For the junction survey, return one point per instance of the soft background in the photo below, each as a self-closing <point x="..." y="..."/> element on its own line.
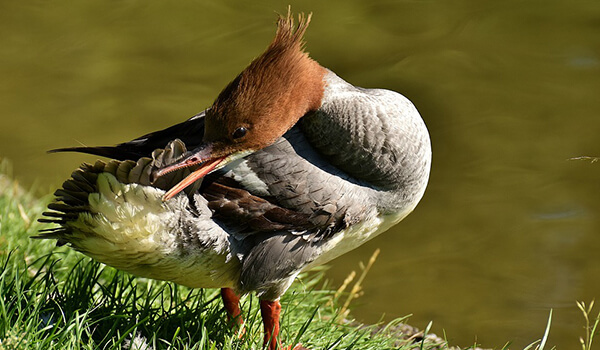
<point x="509" y="227"/>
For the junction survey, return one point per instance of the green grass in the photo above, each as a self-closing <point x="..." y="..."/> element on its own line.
<point x="591" y="324"/>
<point x="55" y="298"/>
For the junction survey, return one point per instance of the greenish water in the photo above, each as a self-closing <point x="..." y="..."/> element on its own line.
<point x="509" y="227"/>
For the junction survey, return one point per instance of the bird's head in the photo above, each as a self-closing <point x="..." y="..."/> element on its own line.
<point x="262" y="103"/>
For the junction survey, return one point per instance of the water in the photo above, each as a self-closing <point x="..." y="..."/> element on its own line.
<point x="508" y="228"/>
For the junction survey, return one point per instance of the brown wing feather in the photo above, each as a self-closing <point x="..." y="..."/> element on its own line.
<point x="238" y="209"/>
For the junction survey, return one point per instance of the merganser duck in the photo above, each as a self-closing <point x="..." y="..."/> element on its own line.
<point x="289" y="168"/>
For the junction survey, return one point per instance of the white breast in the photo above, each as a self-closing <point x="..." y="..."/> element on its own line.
<point x="356" y="235"/>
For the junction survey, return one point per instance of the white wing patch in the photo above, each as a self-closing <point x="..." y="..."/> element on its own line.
<point x="241" y="172"/>
<point x="129" y="227"/>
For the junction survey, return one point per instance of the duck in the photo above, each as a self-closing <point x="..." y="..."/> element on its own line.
<point x="289" y="168"/>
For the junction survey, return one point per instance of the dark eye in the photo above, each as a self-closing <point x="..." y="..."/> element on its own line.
<point x="239" y="132"/>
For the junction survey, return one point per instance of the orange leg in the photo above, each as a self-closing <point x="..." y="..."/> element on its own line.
<point x="270" y="311"/>
<point x="232" y="306"/>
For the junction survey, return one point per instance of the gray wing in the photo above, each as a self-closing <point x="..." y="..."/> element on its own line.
<point x="286" y="186"/>
<point x="317" y="198"/>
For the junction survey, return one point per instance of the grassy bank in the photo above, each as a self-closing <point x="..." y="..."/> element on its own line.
<point x="55" y="298"/>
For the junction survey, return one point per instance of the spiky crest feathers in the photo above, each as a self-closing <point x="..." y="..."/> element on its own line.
<point x="271" y="94"/>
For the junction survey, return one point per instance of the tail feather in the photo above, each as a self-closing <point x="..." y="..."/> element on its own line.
<point x="77" y="187"/>
<point x="52" y="221"/>
<point x="72" y="199"/>
<point x="113" y="152"/>
<point x="57" y="206"/>
<point x="189" y="132"/>
<point x="87" y="174"/>
<point x="54" y="214"/>
<point x="68" y="197"/>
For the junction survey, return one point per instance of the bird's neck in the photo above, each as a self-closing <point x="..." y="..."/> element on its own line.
<point x="376" y="136"/>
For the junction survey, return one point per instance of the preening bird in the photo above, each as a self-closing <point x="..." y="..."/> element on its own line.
<point x="289" y="168"/>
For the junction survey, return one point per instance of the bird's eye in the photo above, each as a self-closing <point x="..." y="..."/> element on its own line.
<point x="239" y="132"/>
